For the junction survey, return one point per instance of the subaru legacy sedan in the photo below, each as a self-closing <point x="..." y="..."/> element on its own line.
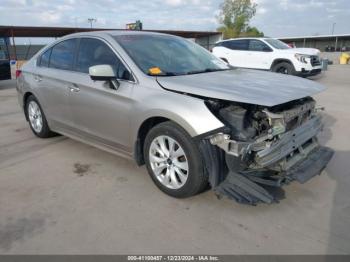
<point x="168" y="103"/>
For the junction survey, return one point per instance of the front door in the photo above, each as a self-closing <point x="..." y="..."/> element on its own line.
<point x="258" y="55"/>
<point x="237" y="52"/>
<point x="100" y="112"/>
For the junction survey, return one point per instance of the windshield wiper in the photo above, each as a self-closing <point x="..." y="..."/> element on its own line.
<point x="207" y="70"/>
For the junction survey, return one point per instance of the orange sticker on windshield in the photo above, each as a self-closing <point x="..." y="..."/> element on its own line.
<point x="154" y="71"/>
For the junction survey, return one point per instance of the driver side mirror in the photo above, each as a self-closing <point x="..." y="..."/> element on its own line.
<point x="104" y="73"/>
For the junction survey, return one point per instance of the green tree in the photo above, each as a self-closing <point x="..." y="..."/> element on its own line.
<point x="235" y="16"/>
<point x="252" y="32"/>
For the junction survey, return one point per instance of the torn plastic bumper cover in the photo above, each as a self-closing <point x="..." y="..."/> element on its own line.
<point x="242" y="170"/>
<point x="250" y="188"/>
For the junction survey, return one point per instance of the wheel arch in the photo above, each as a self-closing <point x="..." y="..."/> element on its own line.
<point x="280" y="60"/>
<point x="151" y="122"/>
<point x="194" y="126"/>
<point x="25" y="98"/>
<point x="142" y="132"/>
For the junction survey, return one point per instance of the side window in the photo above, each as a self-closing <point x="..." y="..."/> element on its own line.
<point x="257" y="45"/>
<point x="95" y="52"/>
<point x="44" y="59"/>
<point x="238" y="44"/>
<point x="225" y="44"/>
<point x="62" y="55"/>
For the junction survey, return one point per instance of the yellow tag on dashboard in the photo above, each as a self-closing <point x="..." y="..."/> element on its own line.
<point x="154" y="71"/>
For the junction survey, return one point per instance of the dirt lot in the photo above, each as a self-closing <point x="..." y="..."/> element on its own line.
<point x="59" y="196"/>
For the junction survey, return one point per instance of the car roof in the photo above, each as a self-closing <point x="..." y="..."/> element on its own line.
<point x="244" y="38"/>
<point x="115" y="33"/>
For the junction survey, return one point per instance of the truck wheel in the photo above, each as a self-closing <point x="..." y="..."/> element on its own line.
<point x="173" y="161"/>
<point x="37" y="119"/>
<point x="284" y="68"/>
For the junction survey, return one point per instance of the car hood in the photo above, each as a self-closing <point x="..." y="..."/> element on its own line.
<point x="303" y="51"/>
<point x="243" y="85"/>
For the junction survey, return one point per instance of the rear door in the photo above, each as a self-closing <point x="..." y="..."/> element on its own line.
<point x="100" y="112"/>
<point x="54" y="76"/>
<point x="237" y="52"/>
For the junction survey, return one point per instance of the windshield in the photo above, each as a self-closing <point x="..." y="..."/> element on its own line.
<point x="165" y="55"/>
<point x="277" y="44"/>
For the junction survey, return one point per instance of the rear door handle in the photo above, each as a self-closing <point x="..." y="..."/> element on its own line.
<point x="73" y="88"/>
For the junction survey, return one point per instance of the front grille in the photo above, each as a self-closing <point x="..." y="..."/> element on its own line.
<point x="315" y="60"/>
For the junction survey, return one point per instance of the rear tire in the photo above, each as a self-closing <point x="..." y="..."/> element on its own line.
<point x="36" y="118"/>
<point x="284" y="68"/>
<point x="178" y="169"/>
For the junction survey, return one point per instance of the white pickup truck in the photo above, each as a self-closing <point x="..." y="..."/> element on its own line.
<point x="269" y="54"/>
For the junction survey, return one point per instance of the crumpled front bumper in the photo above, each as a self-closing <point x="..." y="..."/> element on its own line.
<point x="311" y="166"/>
<point x="279" y="154"/>
<point x="295" y="156"/>
<point x="251" y="189"/>
<point x="292" y="147"/>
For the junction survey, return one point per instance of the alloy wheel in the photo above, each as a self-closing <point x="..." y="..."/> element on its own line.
<point x="35" y="116"/>
<point x="168" y="162"/>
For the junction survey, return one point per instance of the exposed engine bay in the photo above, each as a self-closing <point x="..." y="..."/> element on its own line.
<point x="263" y="146"/>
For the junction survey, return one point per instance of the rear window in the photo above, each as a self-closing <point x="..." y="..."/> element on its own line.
<point x="45" y="58"/>
<point x="235" y="44"/>
<point x="62" y="55"/>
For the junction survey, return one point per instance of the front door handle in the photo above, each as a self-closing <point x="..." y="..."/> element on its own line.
<point x="73" y="88"/>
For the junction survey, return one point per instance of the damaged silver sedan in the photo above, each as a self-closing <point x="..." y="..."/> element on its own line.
<point x="170" y="104"/>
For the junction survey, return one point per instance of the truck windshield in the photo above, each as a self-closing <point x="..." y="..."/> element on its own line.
<point x="165" y="55"/>
<point x="277" y="44"/>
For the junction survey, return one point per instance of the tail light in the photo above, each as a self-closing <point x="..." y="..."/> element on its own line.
<point x="18" y="73"/>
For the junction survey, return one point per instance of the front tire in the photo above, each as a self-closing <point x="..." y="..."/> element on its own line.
<point x="36" y="118"/>
<point x="284" y="68"/>
<point x="173" y="161"/>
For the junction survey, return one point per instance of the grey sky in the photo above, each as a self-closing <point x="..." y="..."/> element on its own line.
<point x="274" y="17"/>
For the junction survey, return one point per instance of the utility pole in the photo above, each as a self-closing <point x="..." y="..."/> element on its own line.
<point x="333" y="27"/>
<point x="92" y="20"/>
